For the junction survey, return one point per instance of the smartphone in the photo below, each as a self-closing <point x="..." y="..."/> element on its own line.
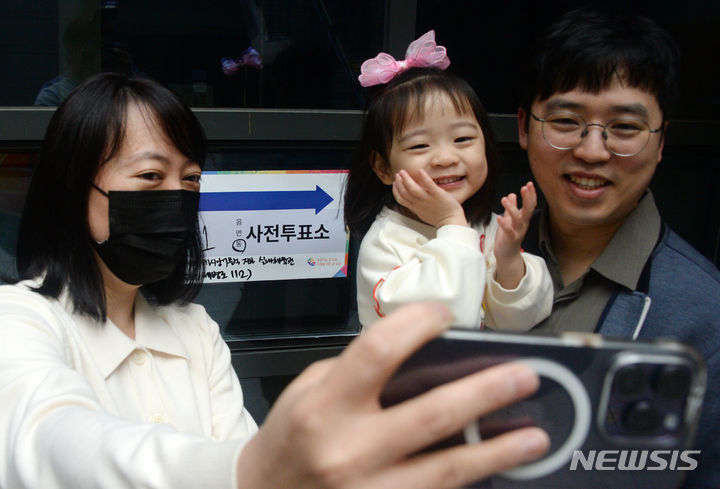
<point x="620" y="414"/>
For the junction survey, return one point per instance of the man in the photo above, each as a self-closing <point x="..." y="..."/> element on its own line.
<point x="593" y="122"/>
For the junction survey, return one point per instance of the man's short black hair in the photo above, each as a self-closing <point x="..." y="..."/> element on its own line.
<point x="86" y="130"/>
<point x="588" y="50"/>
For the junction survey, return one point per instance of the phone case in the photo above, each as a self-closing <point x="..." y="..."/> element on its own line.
<point x="620" y="414"/>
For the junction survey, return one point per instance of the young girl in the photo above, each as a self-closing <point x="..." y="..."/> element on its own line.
<point x="419" y="196"/>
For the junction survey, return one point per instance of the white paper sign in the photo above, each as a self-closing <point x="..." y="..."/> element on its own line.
<point x="273" y="225"/>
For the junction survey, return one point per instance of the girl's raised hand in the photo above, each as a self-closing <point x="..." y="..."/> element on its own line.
<point x="512" y="226"/>
<point x="426" y="200"/>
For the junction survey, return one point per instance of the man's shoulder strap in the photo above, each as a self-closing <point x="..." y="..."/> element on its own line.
<point x="644" y="280"/>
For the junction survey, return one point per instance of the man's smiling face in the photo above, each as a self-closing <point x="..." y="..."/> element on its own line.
<point x="588" y="186"/>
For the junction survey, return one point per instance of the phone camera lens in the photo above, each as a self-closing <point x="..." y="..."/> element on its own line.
<point x="641" y="418"/>
<point x="630" y="380"/>
<point x="672" y="381"/>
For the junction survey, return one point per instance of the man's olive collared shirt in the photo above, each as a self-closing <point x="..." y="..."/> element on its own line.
<point x="579" y="305"/>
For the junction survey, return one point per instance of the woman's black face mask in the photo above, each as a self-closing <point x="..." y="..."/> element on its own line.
<point x="149" y="233"/>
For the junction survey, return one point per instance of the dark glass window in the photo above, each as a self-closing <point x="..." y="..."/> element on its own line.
<point x="277" y="309"/>
<point x="16" y="169"/>
<point x="487" y="43"/>
<point x="220" y="53"/>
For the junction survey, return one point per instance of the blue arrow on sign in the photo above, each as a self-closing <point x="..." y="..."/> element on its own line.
<point x="316" y="199"/>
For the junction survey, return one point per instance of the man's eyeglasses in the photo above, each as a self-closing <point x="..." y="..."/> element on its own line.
<point x="623" y="137"/>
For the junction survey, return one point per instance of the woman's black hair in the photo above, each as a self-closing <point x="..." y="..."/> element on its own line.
<point x="589" y="50"/>
<point x="389" y="109"/>
<point x="86" y="130"/>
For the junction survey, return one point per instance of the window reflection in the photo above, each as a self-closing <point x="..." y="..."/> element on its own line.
<point x="15" y="173"/>
<point x="308" y="51"/>
<point x="79" y="42"/>
<point x="221" y="53"/>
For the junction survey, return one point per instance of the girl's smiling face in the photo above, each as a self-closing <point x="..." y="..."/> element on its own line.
<point x="447" y="144"/>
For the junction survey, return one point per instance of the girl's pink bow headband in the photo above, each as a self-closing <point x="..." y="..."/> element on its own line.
<point x="422" y="52"/>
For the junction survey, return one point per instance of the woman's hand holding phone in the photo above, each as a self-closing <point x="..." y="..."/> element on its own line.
<point x="329" y="430"/>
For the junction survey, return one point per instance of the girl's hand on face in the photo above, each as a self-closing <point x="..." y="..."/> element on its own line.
<point x="512" y="226"/>
<point x="426" y="200"/>
<point x="328" y="429"/>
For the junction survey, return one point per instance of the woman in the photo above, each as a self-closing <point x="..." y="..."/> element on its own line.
<point x="103" y="386"/>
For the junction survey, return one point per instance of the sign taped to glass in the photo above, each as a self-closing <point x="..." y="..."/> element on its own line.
<point x="273" y="225"/>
